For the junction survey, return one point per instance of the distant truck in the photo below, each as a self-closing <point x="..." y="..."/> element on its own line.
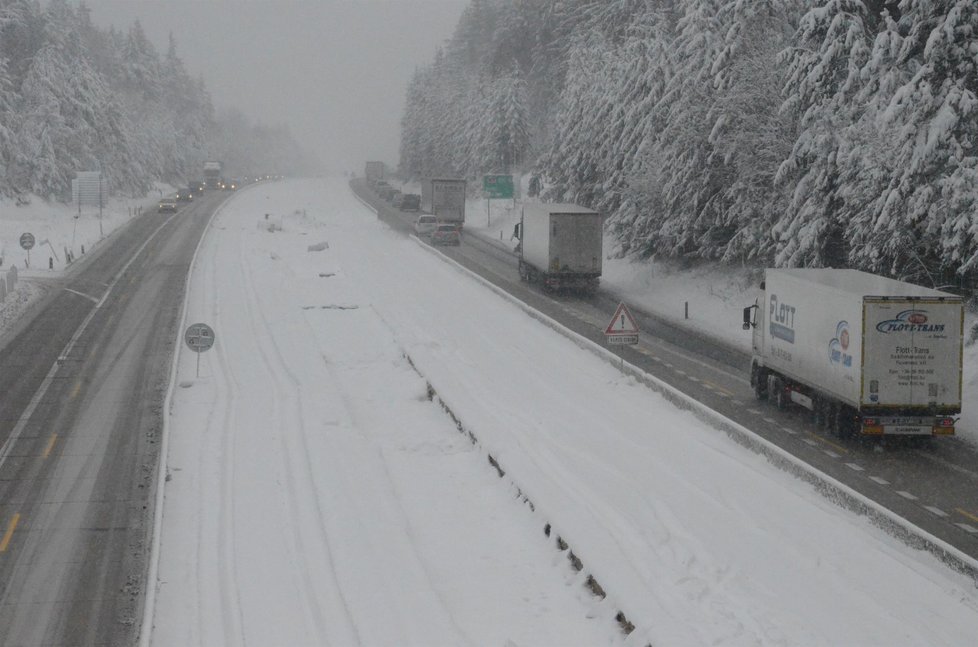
<point x="373" y="171"/>
<point x="444" y="198"/>
<point x="212" y="174"/>
<point x="867" y="355"/>
<point x="561" y="245"/>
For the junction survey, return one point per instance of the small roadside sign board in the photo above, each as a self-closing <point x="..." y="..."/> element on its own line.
<point x="199" y="337"/>
<point x="497" y="186"/>
<point x="622" y="329"/>
<point x="27" y="241"/>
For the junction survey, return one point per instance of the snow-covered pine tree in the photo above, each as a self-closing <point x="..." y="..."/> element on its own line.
<point x="824" y="74"/>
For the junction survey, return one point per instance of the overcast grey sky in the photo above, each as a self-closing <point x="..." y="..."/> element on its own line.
<point x="335" y="71"/>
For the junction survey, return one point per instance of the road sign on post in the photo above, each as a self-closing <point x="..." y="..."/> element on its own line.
<point x="27" y="243"/>
<point x="497" y="186"/>
<point x="200" y="338"/>
<point x="622" y="329"/>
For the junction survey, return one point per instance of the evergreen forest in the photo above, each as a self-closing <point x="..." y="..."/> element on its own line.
<point x="792" y="133"/>
<point x="74" y="97"/>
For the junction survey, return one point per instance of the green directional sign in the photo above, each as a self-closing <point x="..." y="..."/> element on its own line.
<point x="497" y="186"/>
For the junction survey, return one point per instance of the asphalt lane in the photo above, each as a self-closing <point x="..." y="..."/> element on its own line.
<point x="84" y="384"/>
<point x="931" y="483"/>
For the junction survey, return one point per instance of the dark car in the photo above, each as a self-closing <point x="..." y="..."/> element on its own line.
<point x="185" y="195"/>
<point x="410" y="202"/>
<point x="196" y="187"/>
<point x="446" y="234"/>
<point x="167" y="205"/>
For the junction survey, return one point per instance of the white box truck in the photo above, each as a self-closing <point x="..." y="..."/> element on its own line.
<point x="561" y="245"/>
<point x="212" y="174"/>
<point x="373" y="172"/>
<point x="867" y="355"/>
<point x="445" y="199"/>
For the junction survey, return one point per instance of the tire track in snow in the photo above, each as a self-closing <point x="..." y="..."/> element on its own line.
<point x="288" y="389"/>
<point x="232" y="616"/>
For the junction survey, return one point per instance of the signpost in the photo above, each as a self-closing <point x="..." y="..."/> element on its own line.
<point x="27" y="243"/>
<point x="200" y="338"/>
<point x="497" y="186"/>
<point x="622" y="330"/>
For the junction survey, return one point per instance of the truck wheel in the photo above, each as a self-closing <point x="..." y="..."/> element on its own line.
<point x="781" y="396"/>
<point x="844" y="425"/>
<point x="758" y="380"/>
<point x="818" y="412"/>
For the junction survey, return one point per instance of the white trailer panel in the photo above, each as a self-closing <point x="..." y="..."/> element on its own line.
<point x="562" y="238"/>
<point x="869" y="341"/>
<point x="912" y="353"/>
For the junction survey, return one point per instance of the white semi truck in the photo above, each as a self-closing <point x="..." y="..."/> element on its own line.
<point x="561" y="245"/>
<point x="867" y="355"/>
<point x="212" y="174"/>
<point x="444" y="198"/>
<point x="373" y="171"/>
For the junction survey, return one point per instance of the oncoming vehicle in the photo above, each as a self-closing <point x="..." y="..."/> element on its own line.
<point x="446" y="234"/>
<point x="424" y="225"/>
<point x="185" y="195"/>
<point x="167" y="205"/>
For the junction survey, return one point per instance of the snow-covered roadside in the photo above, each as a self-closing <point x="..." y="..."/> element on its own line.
<point x="695" y="538"/>
<point x="56" y="228"/>
<point x="315" y="494"/>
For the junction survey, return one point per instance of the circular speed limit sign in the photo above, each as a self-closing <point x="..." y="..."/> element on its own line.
<point x="199" y="337"/>
<point x="27" y="241"/>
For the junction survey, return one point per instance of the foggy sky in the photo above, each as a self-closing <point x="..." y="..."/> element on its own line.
<point x="334" y="71"/>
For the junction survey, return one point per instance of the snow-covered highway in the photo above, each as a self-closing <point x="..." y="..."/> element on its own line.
<point x="315" y="494"/>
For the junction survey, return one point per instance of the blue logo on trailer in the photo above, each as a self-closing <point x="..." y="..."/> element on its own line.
<point x="839" y="346"/>
<point x="782" y="320"/>
<point x="909" y="321"/>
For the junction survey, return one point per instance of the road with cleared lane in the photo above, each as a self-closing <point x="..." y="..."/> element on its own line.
<point x="932" y="484"/>
<point x="83" y="383"/>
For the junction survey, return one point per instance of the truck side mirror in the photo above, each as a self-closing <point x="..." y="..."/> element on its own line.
<point x="748" y="322"/>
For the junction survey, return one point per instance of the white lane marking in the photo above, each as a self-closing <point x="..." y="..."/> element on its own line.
<point x="667" y="364"/>
<point x="680" y="371"/>
<point x="879" y="480"/>
<point x="907" y="495"/>
<point x="854" y="466"/>
<point x="756" y="412"/>
<point x="82" y="294"/>
<point x="809" y="441"/>
<point x="771" y="420"/>
<point x="790" y="432"/>
<point x="696" y="379"/>
<point x="967" y="528"/>
<point x="937" y="511"/>
<point x="830" y="453"/>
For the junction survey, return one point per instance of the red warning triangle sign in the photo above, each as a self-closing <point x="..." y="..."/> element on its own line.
<point x="623" y="323"/>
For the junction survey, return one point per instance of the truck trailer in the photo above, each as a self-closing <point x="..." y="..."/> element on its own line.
<point x="212" y="174"/>
<point x="444" y="198"/>
<point x="561" y="245"/>
<point x="373" y="171"/>
<point x="866" y="355"/>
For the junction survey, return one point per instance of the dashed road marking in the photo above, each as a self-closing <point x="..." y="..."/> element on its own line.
<point x="10" y="532"/>
<point x="967" y="528"/>
<point x="855" y="466"/>
<point x="771" y="420"/>
<point x="967" y="514"/>
<point x="831" y="453"/>
<point x="756" y="412"/>
<point x="877" y="479"/>
<point x="790" y="432"/>
<point x="906" y="495"/>
<point x="50" y="445"/>
<point x="694" y="379"/>
<point x="933" y="510"/>
<point x="809" y="441"/>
